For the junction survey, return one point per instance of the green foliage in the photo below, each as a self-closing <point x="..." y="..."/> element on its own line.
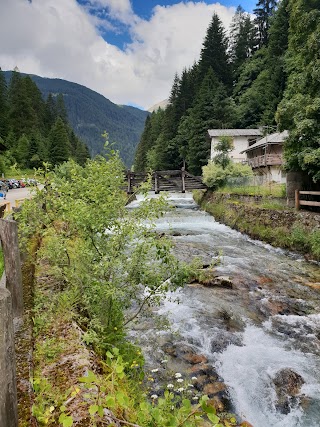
<point x="223" y="148"/>
<point x="30" y="128"/>
<point x="299" y="109"/>
<point x="215" y="176"/>
<point x="107" y="252"/>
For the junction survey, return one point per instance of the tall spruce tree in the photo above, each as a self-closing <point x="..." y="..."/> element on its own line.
<point x="3" y="106"/>
<point x="262" y="79"/>
<point x="214" y="53"/>
<point x="299" y="111"/>
<point x="242" y="39"/>
<point x="264" y="11"/>
<point x="59" y="145"/>
<point x="213" y="109"/>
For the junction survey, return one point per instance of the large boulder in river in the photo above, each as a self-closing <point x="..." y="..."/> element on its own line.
<point x="288" y="387"/>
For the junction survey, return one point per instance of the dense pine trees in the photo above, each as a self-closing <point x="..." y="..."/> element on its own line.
<point x="266" y="74"/>
<point x="32" y="129"/>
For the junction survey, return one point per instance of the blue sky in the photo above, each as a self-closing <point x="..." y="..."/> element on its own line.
<point x="127" y="50"/>
<point x="144" y="9"/>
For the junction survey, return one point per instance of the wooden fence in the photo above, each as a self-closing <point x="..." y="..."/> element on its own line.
<point x="300" y="202"/>
<point x="11" y="311"/>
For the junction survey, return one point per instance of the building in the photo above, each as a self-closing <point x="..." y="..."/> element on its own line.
<point x="242" y="139"/>
<point x="265" y="157"/>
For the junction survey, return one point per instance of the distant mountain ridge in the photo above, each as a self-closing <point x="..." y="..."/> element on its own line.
<point x="90" y="114"/>
<point x="162" y="104"/>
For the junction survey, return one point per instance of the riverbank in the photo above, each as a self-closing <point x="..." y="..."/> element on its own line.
<point x="265" y="219"/>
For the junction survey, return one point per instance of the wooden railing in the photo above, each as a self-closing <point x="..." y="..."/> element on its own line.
<point x="266" y="160"/>
<point x="299" y="202"/>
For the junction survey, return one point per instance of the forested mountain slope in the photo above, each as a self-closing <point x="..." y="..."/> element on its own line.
<point x="90" y="114"/>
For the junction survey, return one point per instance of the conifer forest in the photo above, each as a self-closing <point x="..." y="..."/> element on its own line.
<point x="263" y="72"/>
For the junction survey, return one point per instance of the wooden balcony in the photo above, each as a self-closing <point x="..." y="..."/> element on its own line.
<point x="266" y="160"/>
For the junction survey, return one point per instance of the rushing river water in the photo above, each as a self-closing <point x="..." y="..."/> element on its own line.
<point x="267" y="322"/>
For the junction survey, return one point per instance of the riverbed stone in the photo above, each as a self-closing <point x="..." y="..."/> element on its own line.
<point x="194" y="359"/>
<point x="216" y="403"/>
<point x="201" y="369"/>
<point x="288" y="385"/>
<point x="214" y="388"/>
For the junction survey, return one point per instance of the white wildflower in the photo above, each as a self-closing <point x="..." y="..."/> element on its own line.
<point x="190" y="385"/>
<point x="195" y="398"/>
<point x="154" y="370"/>
<point x="179" y="380"/>
<point x="180" y="390"/>
<point x="154" y="396"/>
<point x="170" y="386"/>
<point x="194" y="378"/>
<point x="178" y="375"/>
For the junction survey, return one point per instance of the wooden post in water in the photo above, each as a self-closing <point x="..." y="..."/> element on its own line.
<point x="129" y="190"/>
<point x="12" y="264"/>
<point x="156" y="183"/>
<point x="8" y="387"/>
<point x="183" y="176"/>
<point x="297" y="199"/>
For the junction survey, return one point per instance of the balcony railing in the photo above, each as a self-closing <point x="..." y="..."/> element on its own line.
<point x="266" y="160"/>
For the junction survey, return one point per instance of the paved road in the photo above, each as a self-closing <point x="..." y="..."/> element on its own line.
<point x="17" y="193"/>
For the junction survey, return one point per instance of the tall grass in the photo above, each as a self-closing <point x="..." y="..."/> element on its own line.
<point x="273" y="190"/>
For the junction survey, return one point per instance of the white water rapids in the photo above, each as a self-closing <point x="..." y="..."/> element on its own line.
<point x="275" y="306"/>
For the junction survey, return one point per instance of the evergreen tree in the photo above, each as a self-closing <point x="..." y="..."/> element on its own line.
<point x="213" y="109"/>
<point x="3" y="106"/>
<point x="61" y="109"/>
<point x="214" y="53"/>
<point x="299" y="111"/>
<point x="50" y="112"/>
<point x="262" y="78"/>
<point x="242" y="39"/>
<point x="59" y="145"/>
<point x="264" y="11"/>
<point x="144" y="146"/>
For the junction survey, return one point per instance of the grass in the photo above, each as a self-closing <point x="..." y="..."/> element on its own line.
<point x="274" y="190"/>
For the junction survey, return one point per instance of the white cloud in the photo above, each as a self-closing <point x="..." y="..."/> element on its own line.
<point x="59" y="39"/>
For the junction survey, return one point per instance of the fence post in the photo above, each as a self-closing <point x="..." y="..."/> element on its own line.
<point x="183" y="176"/>
<point x="12" y="264"/>
<point x="156" y="183"/>
<point x="297" y="199"/>
<point x="129" y="191"/>
<point x="8" y="388"/>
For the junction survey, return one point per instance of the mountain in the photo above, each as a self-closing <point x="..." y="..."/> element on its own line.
<point x="90" y="114"/>
<point x="162" y="104"/>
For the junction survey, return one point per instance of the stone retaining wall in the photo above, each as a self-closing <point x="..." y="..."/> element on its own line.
<point x="286" y="227"/>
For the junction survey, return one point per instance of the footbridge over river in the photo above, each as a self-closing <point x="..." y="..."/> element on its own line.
<point x="170" y="180"/>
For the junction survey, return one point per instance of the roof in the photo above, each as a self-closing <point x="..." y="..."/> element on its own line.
<point x="274" y="138"/>
<point x="234" y="132"/>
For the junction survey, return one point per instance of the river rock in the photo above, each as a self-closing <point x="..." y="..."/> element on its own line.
<point x="214" y="388"/>
<point x="288" y="386"/>
<point x="218" y="281"/>
<point x="194" y="359"/>
<point x="201" y="369"/>
<point x="216" y="403"/>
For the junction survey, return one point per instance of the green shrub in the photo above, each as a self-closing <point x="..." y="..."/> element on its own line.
<point x="214" y="176"/>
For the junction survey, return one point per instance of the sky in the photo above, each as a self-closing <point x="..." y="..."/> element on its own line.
<point x="127" y="50"/>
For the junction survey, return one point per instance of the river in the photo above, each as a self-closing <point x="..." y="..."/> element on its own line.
<point x="267" y="322"/>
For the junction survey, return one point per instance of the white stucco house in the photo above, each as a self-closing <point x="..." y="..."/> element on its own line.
<point x="265" y="157"/>
<point x="242" y="139"/>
